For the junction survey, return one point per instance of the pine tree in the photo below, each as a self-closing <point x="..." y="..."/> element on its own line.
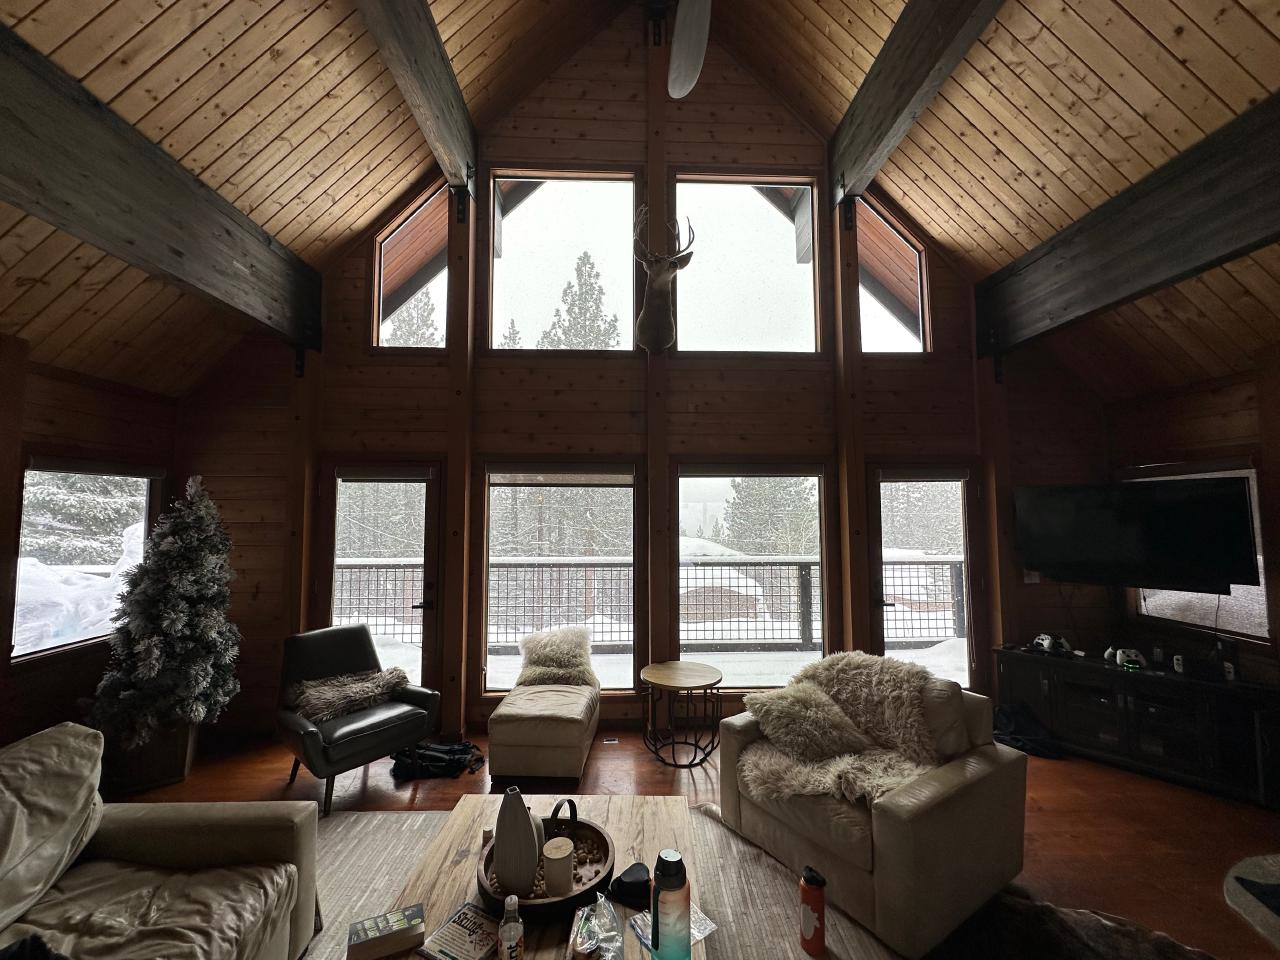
<point x="511" y="339"/>
<point x="76" y="518"/>
<point x="775" y="516"/>
<point x="582" y="325"/>
<point x="173" y="652"/>
<point x="413" y="324"/>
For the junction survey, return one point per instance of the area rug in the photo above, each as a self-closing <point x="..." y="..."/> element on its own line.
<point x="362" y="862"/>
<point x="1252" y="888"/>
<point x="365" y="857"/>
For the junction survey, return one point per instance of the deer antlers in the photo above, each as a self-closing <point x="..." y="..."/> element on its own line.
<point x="642" y="250"/>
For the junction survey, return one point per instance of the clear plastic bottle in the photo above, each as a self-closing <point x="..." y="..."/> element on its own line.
<point x="670" y="930"/>
<point x="511" y="931"/>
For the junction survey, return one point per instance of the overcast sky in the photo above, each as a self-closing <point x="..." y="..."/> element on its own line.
<point x="733" y="295"/>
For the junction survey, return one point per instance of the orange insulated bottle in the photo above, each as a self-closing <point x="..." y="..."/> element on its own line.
<point x="813" y="913"/>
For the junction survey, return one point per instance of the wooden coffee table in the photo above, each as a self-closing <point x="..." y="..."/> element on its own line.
<point x="445" y="878"/>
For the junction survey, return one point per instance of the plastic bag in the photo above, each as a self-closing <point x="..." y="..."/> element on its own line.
<point x="597" y="931"/>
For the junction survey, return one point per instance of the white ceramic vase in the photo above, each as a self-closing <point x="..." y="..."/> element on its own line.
<point x="516" y="846"/>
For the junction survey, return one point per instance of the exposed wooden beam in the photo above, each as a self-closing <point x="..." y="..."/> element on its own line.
<point x="411" y="48"/>
<point x="924" y="46"/>
<point x="1212" y="203"/>
<point x="70" y="160"/>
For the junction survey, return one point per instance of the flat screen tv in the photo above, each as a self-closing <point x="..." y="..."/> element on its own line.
<point x="1194" y="535"/>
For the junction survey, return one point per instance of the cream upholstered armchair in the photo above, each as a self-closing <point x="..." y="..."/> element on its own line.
<point x="913" y="865"/>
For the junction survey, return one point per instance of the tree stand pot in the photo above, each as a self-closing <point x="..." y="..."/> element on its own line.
<point x="163" y="760"/>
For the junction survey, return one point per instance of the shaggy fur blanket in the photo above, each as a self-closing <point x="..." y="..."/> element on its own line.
<point x="882" y="697"/>
<point x="329" y="697"/>
<point x="560" y="655"/>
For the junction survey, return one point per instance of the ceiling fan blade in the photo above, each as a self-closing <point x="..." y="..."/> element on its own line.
<point x="688" y="46"/>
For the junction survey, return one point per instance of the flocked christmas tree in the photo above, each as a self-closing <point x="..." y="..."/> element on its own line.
<point x="173" y="652"/>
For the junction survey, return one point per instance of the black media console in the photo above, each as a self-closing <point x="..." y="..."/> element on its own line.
<point x="1216" y="735"/>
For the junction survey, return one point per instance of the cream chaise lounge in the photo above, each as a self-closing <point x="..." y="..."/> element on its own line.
<point x="140" y="881"/>
<point x="918" y="861"/>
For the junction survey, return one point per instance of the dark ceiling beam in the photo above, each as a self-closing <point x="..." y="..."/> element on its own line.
<point x="68" y="159"/>
<point x="1215" y="202"/>
<point x="410" y="45"/>
<point x="924" y="46"/>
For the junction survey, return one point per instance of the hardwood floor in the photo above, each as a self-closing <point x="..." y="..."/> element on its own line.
<point x="1097" y="837"/>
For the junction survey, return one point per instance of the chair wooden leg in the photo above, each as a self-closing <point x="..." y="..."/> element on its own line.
<point x="328" y="796"/>
<point x="293" y="774"/>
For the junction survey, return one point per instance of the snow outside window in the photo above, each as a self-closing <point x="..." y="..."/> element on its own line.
<point x="80" y="535"/>
<point x="561" y="553"/>
<point x="1243" y="611"/>
<point x="750" y="284"/>
<point x="414" y="278"/>
<point x="750" y="575"/>
<point x="563" y="270"/>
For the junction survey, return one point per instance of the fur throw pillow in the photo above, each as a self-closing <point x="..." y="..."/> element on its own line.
<point x="329" y="697"/>
<point x="560" y="655"/>
<point x="803" y="721"/>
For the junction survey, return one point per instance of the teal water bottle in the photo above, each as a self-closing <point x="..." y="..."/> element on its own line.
<point x="670" y="932"/>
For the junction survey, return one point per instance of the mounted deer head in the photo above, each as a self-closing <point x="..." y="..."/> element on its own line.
<point x="656" y="324"/>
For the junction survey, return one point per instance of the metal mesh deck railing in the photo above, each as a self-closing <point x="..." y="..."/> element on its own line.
<point x="739" y="603"/>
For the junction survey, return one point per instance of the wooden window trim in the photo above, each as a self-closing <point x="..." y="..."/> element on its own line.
<point x="480" y="702"/>
<point x="490" y="171"/>
<point x="329" y="471"/>
<point x="371" y="345"/>
<point x="823" y="268"/>
<point x="62" y="459"/>
<point x="694" y="465"/>
<point x="882" y="207"/>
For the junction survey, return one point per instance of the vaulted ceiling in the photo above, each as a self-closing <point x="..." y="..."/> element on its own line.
<point x="285" y="108"/>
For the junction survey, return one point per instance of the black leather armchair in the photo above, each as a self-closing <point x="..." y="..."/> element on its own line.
<point x="344" y="743"/>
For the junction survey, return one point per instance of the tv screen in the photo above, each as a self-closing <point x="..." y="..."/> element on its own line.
<point x="1171" y="534"/>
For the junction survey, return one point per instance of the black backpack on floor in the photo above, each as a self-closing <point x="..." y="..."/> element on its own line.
<point x="426" y="760"/>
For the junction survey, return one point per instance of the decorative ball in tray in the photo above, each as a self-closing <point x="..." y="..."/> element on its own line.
<point x="592" y="867"/>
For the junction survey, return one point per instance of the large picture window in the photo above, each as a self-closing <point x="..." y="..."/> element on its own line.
<point x="890" y="292"/>
<point x="413" y="276"/>
<point x="750" y="284"/>
<point x="750" y="574"/>
<point x="563" y="271"/>
<point x="1243" y="611"/>
<point x="81" y="533"/>
<point x="561" y="553"/>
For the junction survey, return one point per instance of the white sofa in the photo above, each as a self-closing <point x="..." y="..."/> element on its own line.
<point x="138" y="881"/>
<point x="913" y="865"/>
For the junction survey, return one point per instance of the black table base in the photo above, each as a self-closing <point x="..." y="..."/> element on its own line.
<point x="682" y="727"/>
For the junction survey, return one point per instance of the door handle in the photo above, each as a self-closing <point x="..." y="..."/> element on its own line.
<point x="424" y="605"/>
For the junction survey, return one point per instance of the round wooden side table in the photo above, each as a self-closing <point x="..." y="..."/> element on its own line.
<point x="683" y="713"/>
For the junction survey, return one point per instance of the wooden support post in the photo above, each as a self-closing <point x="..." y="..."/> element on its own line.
<point x="851" y="464"/>
<point x="304" y="414"/>
<point x="13" y="374"/>
<point x="996" y="477"/>
<point x="446" y="666"/>
<point x="1268" y="467"/>
<point x="663" y="627"/>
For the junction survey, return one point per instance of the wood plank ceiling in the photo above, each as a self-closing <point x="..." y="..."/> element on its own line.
<point x="285" y="108"/>
<point x="282" y="106"/>
<point x="1059" y="106"/>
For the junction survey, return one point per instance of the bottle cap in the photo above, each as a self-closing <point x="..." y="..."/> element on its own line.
<point x="512" y="903"/>
<point x="668" y="872"/>
<point x="813" y="878"/>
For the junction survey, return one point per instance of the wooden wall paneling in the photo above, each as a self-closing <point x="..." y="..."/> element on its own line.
<point x="1204" y="422"/>
<point x="663" y="642"/>
<point x="238" y="433"/>
<point x="1268" y="466"/>
<point x="13" y="373"/>
<point x="455" y="571"/>
<point x="851" y="466"/>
